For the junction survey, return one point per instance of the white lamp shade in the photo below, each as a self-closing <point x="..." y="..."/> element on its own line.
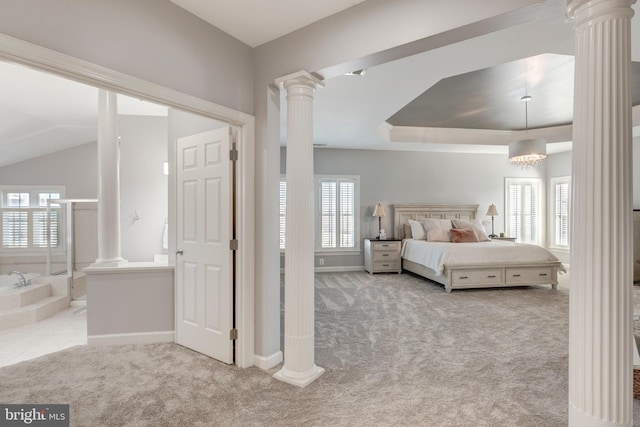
<point x="378" y="210"/>
<point x="492" y="211"/>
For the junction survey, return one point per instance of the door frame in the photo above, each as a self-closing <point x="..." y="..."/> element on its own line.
<point x="38" y="57"/>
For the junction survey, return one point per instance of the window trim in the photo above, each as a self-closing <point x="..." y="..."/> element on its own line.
<point x="553" y="182"/>
<point x="540" y="213"/>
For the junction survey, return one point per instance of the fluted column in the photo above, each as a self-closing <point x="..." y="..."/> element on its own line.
<point x="108" y="181"/>
<point x="600" y="337"/>
<point x="299" y="320"/>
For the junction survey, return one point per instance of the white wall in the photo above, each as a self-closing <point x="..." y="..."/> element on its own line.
<point x="143" y="185"/>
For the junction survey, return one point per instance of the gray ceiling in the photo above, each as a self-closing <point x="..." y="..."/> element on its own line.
<point x="491" y="98"/>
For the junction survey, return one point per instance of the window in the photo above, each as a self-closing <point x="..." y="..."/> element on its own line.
<point x="283" y="211"/>
<point x="523" y="205"/>
<point x="337" y="227"/>
<point x="17" y="200"/>
<point x="561" y="192"/>
<point x="25" y="224"/>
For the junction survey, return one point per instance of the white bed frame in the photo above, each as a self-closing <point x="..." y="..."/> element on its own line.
<point x="464" y="276"/>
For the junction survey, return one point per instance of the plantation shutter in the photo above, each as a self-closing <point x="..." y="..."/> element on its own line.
<point x="561" y="235"/>
<point x="15" y="229"/>
<point x="347" y="214"/>
<point x="40" y="227"/>
<point x="283" y="213"/>
<point x="328" y="213"/>
<point x="514" y="195"/>
<point x="522" y="211"/>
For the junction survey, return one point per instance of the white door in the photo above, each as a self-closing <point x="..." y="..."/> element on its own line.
<point x="204" y="260"/>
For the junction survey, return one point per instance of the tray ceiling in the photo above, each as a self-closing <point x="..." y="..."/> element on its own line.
<point x="490" y="98"/>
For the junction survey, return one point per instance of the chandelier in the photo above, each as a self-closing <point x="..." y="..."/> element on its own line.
<point x="527" y="152"/>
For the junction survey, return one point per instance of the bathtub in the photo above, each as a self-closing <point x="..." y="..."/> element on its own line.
<point x="8" y="282"/>
<point x="44" y="297"/>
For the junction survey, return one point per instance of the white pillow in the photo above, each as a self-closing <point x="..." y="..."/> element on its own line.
<point x="476" y="224"/>
<point x="430" y="223"/>
<point x="437" y="234"/>
<point x="437" y="229"/>
<point x="417" y="230"/>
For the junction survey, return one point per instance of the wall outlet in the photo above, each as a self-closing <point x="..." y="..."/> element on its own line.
<point x="321" y="261"/>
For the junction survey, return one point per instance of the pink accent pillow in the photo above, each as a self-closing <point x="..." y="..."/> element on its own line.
<point x="463" y="235"/>
<point x="475" y="224"/>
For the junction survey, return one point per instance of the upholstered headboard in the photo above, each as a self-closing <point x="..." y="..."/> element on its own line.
<point x="404" y="212"/>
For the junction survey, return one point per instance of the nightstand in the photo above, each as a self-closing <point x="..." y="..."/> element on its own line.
<point x="508" y="239"/>
<point x="382" y="256"/>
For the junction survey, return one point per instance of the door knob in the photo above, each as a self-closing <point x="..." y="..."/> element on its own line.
<point x="179" y="252"/>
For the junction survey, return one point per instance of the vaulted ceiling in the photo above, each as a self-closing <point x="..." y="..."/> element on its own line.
<point x="463" y="97"/>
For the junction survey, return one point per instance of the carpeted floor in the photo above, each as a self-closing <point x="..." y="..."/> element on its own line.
<point x="397" y="350"/>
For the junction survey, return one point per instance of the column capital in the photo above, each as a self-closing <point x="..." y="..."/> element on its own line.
<point x="299" y="78"/>
<point x="577" y="9"/>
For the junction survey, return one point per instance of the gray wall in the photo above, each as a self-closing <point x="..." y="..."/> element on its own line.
<point x="75" y="168"/>
<point x="154" y="40"/>
<point x="560" y="164"/>
<point x="119" y="302"/>
<point x="143" y="149"/>
<point x="370" y="33"/>
<point x="636" y="172"/>
<point x="393" y="177"/>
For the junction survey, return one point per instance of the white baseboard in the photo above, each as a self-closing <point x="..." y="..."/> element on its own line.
<point x="132" y="338"/>
<point x="340" y="269"/>
<point x="267" y="362"/>
<point x="337" y="269"/>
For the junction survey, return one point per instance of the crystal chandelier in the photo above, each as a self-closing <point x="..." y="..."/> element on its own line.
<point x="527" y="152"/>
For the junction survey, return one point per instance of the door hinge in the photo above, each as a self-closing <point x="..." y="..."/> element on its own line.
<point x="233" y="334"/>
<point x="233" y="155"/>
<point x="233" y="245"/>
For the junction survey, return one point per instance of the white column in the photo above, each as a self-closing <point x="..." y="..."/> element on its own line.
<point x="299" y="320"/>
<point x="108" y="182"/>
<point x="600" y="332"/>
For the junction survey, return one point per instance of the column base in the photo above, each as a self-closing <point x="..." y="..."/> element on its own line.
<point x="580" y="418"/>
<point x="297" y="378"/>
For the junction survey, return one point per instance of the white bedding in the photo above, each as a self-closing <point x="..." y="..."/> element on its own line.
<point x="435" y="255"/>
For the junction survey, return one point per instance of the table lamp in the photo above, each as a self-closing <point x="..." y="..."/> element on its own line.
<point x="379" y="212"/>
<point x="492" y="211"/>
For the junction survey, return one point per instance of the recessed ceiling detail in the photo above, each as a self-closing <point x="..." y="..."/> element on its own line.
<point x="490" y="98"/>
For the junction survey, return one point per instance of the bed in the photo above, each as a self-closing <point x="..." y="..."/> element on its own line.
<point x="484" y="264"/>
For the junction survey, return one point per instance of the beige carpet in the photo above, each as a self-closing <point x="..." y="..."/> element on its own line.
<point x="397" y="350"/>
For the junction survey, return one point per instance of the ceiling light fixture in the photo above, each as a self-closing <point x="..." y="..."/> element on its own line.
<point x="527" y="152"/>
